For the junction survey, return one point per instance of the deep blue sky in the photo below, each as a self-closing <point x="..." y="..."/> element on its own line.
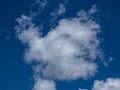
<point x="16" y="75"/>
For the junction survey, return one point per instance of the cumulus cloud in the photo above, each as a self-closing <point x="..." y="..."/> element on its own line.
<point x="67" y="52"/>
<point x="44" y="85"/>
<point x="109" y="84"/>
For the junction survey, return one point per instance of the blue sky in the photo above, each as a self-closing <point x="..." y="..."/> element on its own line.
<point x="18" y="71"/>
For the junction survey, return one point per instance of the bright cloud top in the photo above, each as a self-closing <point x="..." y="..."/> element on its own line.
<point x="109" y="84"/>
<point x="67" y="52"/>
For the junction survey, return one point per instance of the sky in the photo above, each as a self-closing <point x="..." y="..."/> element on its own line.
<point x="59" y="45"/>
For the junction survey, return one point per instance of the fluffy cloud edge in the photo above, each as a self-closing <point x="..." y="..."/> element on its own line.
<point x="44" y="85"/>
<point x="109" y="84"/>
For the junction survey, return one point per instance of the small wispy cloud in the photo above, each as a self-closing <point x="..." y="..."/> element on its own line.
<point x="37" y="7"/>
<point x="61" y="10"/>
<point x="93" y="9"/>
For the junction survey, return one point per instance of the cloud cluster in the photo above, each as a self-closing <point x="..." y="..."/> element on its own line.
<point x="67" y="52"/>
<point x="109" y="84"/>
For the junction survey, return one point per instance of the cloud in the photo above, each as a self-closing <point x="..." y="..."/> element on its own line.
<point x="38" y="7"/>
<point x="109" y="84"/>
<point x="26" y="30"/>
<point x="40" y="3"/>
<point x="82" y="89"/>
<point x="67" y="52"/>
<point x="58" y="13"/>
<point x="61" y="10"/>
<point x="93" y="9"/>
<point x="44" y="85"/>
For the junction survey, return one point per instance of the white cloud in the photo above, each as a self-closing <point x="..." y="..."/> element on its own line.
<point x="67" y="52"/>
<point x="82" y="89"/>
<point x="44" y="85"/>
<point x="26" y="30"/>
<point x="109" y="84"/>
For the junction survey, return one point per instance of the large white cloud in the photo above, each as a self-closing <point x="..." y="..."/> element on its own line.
<point x="109" y="84"/>
<point x="67" y="52"/>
